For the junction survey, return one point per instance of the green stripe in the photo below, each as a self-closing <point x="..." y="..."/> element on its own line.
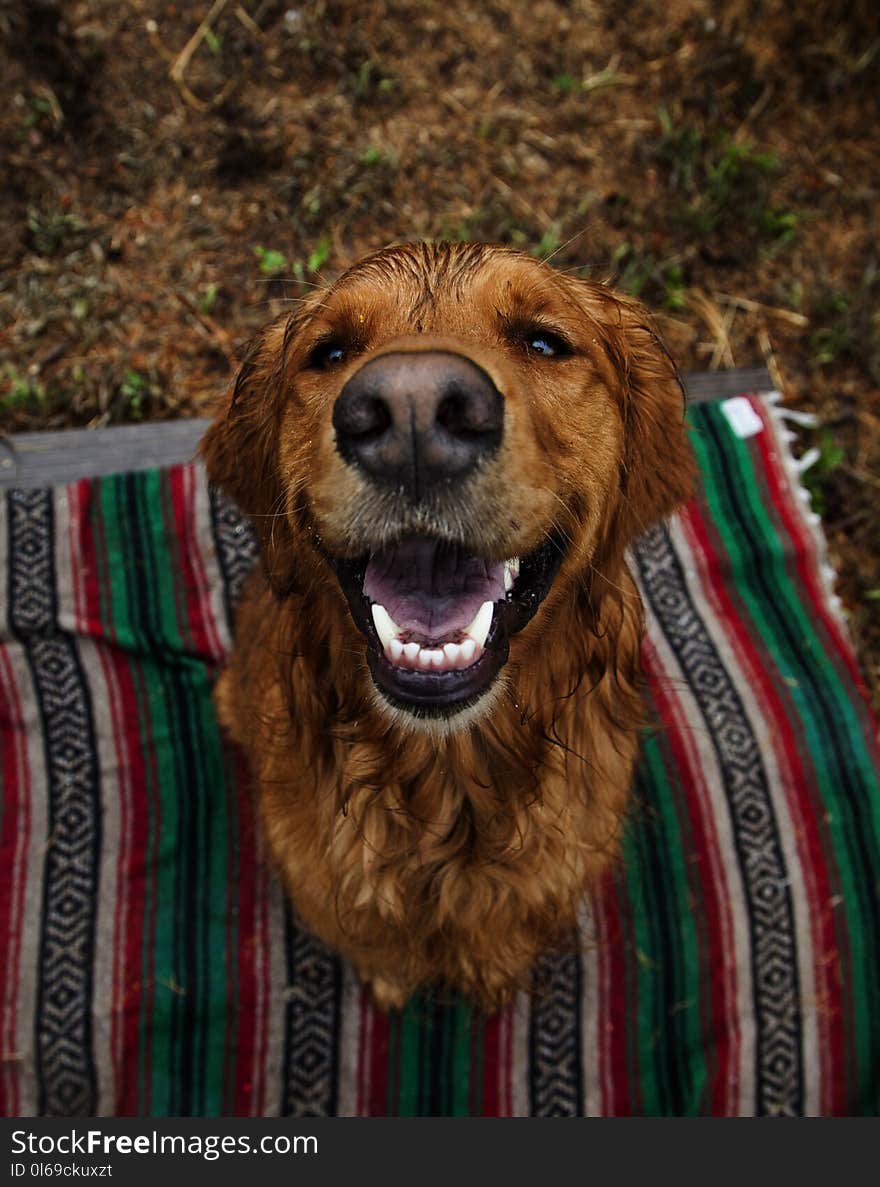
<point x="190" y="797"/>
<point x="434" y="1052"/>
<point x="671" y="1066"/>
<point x="803" y="669"/>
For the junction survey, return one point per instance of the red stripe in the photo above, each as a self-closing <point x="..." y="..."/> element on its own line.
<point x="213" y="642"/>
<point x="807" y="563"/>
<point x="491" y="1102"/>
<point x="131" y="883"/>
<point x="506" y="1043"/>
<point x="377" y="1055"/>
<point x="714" y="921"/>
<point x="15" y="836"/>
<point x="171" y="500"/>
<point x="616" y="1007"/>
<point x="190" y="583"/>
<point x="246" y="1040"/>
<point x="264" y="984"/>
<point x="797" y="783"/>
<point x="88" y="602"/>
<point x="363" y="1069"/>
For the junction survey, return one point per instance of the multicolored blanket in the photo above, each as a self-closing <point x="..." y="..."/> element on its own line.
<point x="731" y="965"/>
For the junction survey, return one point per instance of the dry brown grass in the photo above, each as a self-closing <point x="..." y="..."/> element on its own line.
<point x="724" y="166"/>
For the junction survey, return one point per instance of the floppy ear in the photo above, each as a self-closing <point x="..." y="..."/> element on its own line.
<point x="657" y="471"/>
<point x="240" y="448"/>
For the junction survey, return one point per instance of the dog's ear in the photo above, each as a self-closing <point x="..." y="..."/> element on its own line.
<point x="240" y="447"/>
<point x="657" y="469"/>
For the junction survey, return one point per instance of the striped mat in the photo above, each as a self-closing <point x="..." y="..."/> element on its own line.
<point x="731" y="965"/>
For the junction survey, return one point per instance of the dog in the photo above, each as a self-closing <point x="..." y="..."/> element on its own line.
<point x="436" y="673"/>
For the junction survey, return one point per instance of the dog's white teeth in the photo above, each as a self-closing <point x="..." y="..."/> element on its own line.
<point x="452" y="654"/>
<point x="447" y="657"/>
<point x="479" y="628"/>
<point x="467" y="650"/>
<point x="386" y="628"/>
<point x="511" y="572"/>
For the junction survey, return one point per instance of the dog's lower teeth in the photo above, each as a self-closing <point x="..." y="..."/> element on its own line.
<point x="448" y="657"/>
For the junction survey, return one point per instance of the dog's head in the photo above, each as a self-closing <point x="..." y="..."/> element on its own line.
<point x="462" y="436"/>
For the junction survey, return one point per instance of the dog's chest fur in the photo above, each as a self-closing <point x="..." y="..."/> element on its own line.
<point x="451" y="861"/>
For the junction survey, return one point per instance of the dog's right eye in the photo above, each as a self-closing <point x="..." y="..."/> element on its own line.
<point x="328" y="353"/>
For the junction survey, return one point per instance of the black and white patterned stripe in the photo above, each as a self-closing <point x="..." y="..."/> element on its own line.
<point x="779" y="1072"/>
<point x="236" y="544"/>
<point x="314" y="979"/>
<point x="64" y="1056"/>
<point x="555" y="1083"/>
<point x="311" y="1026"/>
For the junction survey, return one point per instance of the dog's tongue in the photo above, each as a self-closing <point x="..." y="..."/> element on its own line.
<point x="431" y="588"/>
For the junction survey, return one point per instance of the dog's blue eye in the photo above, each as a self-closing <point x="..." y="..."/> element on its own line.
<point x="543" y="344"/>
<point x="327" y="354"/>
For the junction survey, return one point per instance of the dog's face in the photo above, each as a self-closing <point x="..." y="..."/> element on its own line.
<point x="462" y="436"/>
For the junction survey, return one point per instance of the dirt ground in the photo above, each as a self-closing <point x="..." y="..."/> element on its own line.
<point x="173" y="174"/>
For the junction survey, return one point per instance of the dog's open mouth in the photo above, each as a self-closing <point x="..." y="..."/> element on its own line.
<point x="438" y="618"/>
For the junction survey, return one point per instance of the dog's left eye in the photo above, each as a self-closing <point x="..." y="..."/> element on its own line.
<point x="327" y="354"/>
<point x="549" y="346"/>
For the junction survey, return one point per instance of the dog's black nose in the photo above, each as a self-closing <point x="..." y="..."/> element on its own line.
<point x="413" y="419"/>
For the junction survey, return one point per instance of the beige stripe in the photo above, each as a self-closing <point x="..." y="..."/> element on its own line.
<point x="273" y="1087"/>
<point x="591" y="1014"/>
<point x="349" y="1040"/>
<point x="113" y="892"/>
<point x="790" y="825"/>
<point x="67" y="515"/>
<point x="214" y="601"/>
<point x="520" y="1069"/>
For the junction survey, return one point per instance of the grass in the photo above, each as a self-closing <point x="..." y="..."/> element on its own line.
<point x="134" y="391"/>
<point x="51" y="232"/>
<point x="818" y="477"/>
<point x="271" y="262"/>
<point x="24" y="392"/>
<point x="642" y="274"/>
<point x="676" y="156"/>
<point x="723" y="184"/>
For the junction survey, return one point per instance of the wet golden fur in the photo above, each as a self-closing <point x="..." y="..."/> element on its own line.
<point x="448" y="854"/>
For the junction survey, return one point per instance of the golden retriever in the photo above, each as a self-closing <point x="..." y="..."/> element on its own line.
<point x="436" y="674"/>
